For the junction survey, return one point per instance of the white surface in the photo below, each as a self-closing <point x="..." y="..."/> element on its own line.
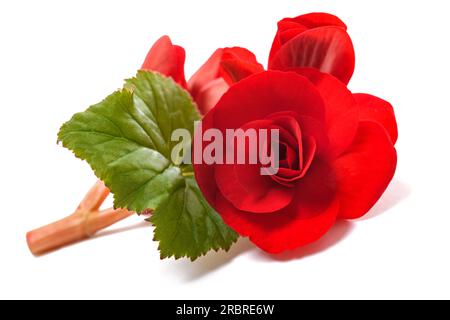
<point x="57" y="58"/>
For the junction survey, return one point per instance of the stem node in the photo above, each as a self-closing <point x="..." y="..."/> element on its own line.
<point x="87" y="220"/>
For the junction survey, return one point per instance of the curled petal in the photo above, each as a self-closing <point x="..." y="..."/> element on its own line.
<point x="238" y="63"/>
<point x="328" y="49"/>
<point x="365" y="170"/>
<point x="249" y="191"/>
<point x="375" y="109"/>
<point x="244" y="185"/>
<point x="311" y="214"/>
<point x="230" y="65"/>
<point x="341" y="109"/>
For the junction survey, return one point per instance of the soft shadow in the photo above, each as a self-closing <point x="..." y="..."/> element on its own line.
<point x="396" y="193"/>
<point x="206" y="265"/>
<point x="336" y="234"/>
<point x="212" y="261"/>
<point x="109" y="232"/>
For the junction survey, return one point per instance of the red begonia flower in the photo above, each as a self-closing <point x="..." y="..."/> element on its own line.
<point x="337" y="157"/>
<point x="316" y="40"/>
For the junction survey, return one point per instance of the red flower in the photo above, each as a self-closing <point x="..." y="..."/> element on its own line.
<point x="225" y="67"/>
<point x="316" y="40"/>
<point x="337" y="148"/>
<point x="337" y="157"/>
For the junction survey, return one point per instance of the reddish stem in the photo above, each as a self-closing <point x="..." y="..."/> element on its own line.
<point x="82" y="224"/>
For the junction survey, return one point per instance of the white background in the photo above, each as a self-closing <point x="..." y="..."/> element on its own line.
<point x="59" y="57"/>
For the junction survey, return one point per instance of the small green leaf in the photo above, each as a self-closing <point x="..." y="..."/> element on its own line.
<point x="186" y="226"/>
<point x="126" y="139"/>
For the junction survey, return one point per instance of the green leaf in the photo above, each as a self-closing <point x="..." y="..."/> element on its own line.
<point x="186" y="226"/>
<point x="166" y="105"/>
<point x="126" y="139"/>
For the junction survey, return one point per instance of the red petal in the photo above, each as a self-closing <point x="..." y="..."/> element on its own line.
<point x="309" y="127"/>
<point x="319" y="19"/>
<point x="264" y="94"/>
<point x="286" y="35"/>
<point x="341" y="109"/>
<point x="237" y="64"/>
<point x="328" y="49"/>
<point x="210" y="94"/>
<point x="248" y="190"/>
<point x="292" y="126"/>
<point x="287" y="176"/>
<point x="288" y="28"/>
<point x="229" y="64"/>
<point x="309" y="152"/>
<point x="245" y="187"/>
<point x="378" y="110"/>
<point x="208" y="72"/>
<point x="365" y="170"/>
<point x="310" y="215"/>
<point x="166" y="58"/>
